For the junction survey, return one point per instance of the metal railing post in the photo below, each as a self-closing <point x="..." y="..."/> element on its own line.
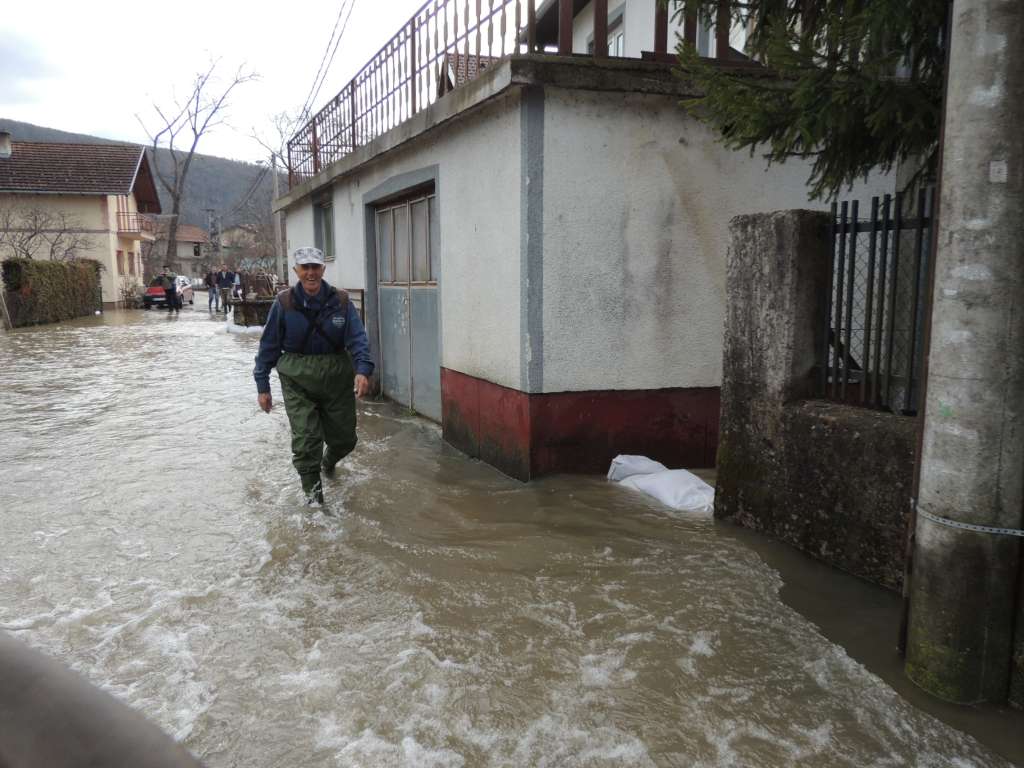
<point x="660" y="30"/>
<point x="897" y="223"/>
<point x="851" y="258"/>
<point x="352" y="112"/>
<point x="838" y="354"/>
<point x="869" y="301"/>
<point x="531" y="26"/>
<point x="883" y="275"/>
<point x="601" y="29"/>
<point x="412" y="64"/>
<point x="827" y="306"/>
<point x="564" y="27"/>
<point x="315" y="147"/>
<point x="722" y="24"/>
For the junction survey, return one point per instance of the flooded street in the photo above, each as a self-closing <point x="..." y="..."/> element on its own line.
<point x="154" y="538"/>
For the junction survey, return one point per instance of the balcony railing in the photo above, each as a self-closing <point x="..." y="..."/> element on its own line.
<point x="444" y="45"/>
<point x="130" y="222"/>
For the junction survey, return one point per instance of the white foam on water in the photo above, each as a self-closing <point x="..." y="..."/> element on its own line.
<point x="604" y="670"/>
<point x="184" y="696"/>
<point x="552" y="742"/>
<point x="416" y="755"/>
<point x="635" y="637"/>
<point x="417" y="628"/>
<point x="703" y="644"/>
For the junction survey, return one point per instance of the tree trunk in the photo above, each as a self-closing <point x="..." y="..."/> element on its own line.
<point x="170" y="258"/>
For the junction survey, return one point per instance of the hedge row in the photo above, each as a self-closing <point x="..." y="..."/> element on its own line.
<point x="50" y="291"/>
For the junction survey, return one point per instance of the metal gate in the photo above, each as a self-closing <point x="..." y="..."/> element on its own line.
<point x="407" y="268"/>
<point x="871" y="345"/>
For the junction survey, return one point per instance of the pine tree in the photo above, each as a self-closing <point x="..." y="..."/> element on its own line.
<point x="851" y="85"/>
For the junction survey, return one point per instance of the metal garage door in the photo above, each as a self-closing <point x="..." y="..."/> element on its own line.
<point x="407" y="268"/>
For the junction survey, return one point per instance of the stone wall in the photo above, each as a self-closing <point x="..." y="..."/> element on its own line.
<point x="832" y="480"/>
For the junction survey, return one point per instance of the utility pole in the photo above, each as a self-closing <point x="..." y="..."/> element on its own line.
<point x="282" y="268"/>
<point x="970" y="506"/>
<point x="213" y="225"/>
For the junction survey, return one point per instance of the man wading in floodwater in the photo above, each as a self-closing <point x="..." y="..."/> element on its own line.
<point x="315" y="336"/>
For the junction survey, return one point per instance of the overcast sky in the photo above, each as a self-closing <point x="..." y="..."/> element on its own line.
<point x="91" y="67"/>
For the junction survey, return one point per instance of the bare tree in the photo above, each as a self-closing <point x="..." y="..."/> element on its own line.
<point x="187" y="121"/>
<point x="34" y="232"/>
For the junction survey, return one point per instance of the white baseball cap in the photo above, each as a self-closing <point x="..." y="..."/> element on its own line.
<point x="308" y="256"/>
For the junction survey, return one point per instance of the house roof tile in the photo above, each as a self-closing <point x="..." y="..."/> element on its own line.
<point x="89" y="169"/>
<point x="188" y="233"/>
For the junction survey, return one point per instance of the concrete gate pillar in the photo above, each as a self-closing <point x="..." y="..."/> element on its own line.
<point x="965" y="581"/>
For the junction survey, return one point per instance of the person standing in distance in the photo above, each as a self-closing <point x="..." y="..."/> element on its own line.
<point x="170" y="290"/>
<point x="316" y="339"/>
<point x="212" y="294"/>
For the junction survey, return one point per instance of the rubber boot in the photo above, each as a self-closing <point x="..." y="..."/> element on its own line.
<point x="329" y="463"/>
<point x="313" y="488"/>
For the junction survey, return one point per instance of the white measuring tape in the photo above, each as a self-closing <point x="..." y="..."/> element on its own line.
<point x="970" y="526"/>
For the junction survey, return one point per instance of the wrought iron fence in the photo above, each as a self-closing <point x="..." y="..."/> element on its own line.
<point x="871" y="348"/>
<point x="448" y="43"/>
<point x="445" y="44"/>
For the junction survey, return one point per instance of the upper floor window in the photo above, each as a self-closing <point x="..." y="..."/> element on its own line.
<point x="323" y="227"/>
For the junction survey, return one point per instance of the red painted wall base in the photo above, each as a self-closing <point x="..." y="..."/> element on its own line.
<point x="527" y="436"/>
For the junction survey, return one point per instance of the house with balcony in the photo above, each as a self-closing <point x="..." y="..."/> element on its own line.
<point x="539" y="228"/>
<point x="101" y="197"/>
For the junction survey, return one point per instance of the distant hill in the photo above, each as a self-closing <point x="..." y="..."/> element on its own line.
<point x="213" y="182"/>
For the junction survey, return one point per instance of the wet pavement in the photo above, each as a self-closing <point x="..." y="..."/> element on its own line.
<point x="154" y="538"/>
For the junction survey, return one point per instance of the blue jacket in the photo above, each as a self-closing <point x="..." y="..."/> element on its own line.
<point x="345" y="330"/>
<point x="224" y="279"/>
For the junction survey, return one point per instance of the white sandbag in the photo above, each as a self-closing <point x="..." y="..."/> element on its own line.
<point x="676" y="488"/>
<point x="626" y="466"/>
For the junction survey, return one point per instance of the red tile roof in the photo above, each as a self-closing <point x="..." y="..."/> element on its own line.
<point x="85" y="169"/>
<point x="189" y="234"/>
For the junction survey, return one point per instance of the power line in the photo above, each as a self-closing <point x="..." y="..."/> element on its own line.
<point x="307" y="104"/>
<point x="252" y="189"/>
<point x="337" y="42"/>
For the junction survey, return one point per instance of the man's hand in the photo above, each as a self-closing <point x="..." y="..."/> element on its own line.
<point x="362" y="387"/>
<point x="265" y="401"/>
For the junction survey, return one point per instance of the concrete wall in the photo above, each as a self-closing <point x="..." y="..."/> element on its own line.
<point x="300" y="235"/>
<point x="832" y="480"/>
<point x="637" y="200"/>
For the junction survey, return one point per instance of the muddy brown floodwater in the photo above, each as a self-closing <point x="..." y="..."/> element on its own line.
<point x="153" y="538"/>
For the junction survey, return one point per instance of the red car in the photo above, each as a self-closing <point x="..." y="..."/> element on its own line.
<point x="156" y="296"/>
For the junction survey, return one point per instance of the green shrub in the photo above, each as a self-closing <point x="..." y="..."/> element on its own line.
<point x="50" y="291"/>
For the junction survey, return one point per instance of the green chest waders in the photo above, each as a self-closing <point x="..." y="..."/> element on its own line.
<point x="321" y="410"/>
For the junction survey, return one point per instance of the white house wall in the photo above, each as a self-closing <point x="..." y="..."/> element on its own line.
<point x="300" y="235"/>
<point x="637" y="202"/>
<point x="477" y="160"/>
